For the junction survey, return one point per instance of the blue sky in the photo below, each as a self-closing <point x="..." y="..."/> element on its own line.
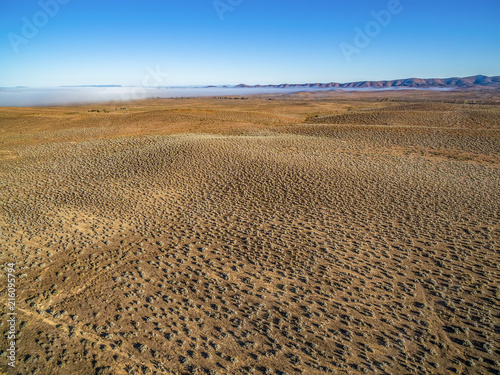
<point x="84" y="42"/>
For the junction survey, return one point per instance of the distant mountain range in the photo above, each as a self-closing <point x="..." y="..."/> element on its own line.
<point x="465" y="83"/>
<point x="94" y="86"/>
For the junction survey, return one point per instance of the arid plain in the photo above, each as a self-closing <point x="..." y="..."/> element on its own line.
<point x="303" y="233"/>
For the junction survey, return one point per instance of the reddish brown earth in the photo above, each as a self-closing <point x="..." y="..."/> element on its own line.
<point x="306" y="233"/>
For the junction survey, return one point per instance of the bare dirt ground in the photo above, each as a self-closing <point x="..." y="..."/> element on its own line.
<point x="309" y="233"/>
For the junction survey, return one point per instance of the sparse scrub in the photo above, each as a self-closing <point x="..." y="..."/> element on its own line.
<point x="230" y="237"/>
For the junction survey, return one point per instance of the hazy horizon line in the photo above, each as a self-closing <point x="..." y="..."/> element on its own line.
<point x="242" y="83"/>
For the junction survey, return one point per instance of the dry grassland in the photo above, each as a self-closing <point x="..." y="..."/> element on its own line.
<point x="295" y="234"/>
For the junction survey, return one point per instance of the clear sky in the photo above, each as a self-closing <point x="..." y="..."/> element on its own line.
<point x="86" y="42"/>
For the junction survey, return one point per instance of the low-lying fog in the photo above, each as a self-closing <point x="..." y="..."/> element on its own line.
<point x="32" y="97"/>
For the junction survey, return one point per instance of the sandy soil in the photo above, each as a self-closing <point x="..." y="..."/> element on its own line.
<point x="306" y="233"/>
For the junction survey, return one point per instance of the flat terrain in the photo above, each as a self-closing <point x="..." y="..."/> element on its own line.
<point x="309" y="233"/>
